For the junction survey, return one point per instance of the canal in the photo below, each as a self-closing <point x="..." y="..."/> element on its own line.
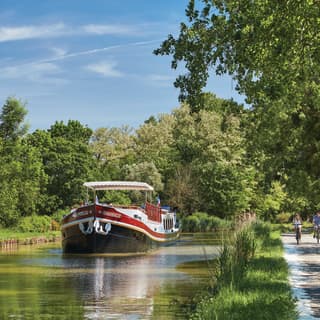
<point x="39" y="282"/>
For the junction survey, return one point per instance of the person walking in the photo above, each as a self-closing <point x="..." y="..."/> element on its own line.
<point x="316" y="223"/>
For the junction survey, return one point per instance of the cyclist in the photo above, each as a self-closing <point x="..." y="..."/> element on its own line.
<point x="316" y="223"/>
<point x="297" y="222"/>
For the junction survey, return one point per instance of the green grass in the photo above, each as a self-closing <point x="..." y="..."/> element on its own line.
<point x="260" y="292"/>
<point x="11" y="234"/>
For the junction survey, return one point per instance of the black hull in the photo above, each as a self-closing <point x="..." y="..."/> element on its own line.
<point x="118" y="240"/>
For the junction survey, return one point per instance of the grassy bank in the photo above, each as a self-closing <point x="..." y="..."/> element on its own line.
<point x="9" y="236"/>
<point x="250" y="280"/>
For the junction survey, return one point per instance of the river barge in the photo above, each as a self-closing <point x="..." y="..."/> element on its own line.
<point x="106" y="228"/>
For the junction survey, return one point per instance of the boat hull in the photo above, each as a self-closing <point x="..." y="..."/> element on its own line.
<point x="118" y="240"/>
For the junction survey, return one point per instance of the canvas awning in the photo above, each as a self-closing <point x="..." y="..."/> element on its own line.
<point x="118" y="185"/>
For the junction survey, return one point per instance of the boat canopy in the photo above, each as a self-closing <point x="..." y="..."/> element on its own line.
<point x="118" y="185"/>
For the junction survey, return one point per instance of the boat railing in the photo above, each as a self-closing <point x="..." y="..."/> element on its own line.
<point x="153" y="212"/>
<point x="125" y="206"/>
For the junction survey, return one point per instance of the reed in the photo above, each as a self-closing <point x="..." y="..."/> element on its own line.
<point x="250" y="279"/>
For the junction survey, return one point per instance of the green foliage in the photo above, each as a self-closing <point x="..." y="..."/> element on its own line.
<point x="273" y="201"/>
<point x="112" y="144"/>
<point x="21" y="167"/>
<point x="182" y="190"/>
<point x="74" y="131"/>
<point x="146" y="172"/>
<point x="251" y="280"/>
<point x="191" y="224"/>
<point x="116" y="197"/>
<point x="202" y="222"/>
<point x="234" y="258"/>
<point x="59" y="214"/>
<point x="213" y="175"/>
<point x="35" y="223"/>
<point x="154" y="141"/>
<point x="270" y="48"/>
<point x="12" y="124"/>
<point x="283" y="217"/>
<point x="67" y="163"/>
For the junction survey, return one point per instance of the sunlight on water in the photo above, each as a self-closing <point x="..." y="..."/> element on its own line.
<point x="299" y="274"/>
<point x="41" y="282"/>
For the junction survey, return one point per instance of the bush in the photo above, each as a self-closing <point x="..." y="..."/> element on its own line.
<point x="283" y="217"/>
<point x="202" y="222"/>
<point x="218" y="223"/>
<point x="59" y="214"/>
<point x="35" y="224"/>
<point x="191" y="224"/>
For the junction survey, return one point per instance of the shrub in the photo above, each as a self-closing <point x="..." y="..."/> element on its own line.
<point x="216" y="223"/>
<point x="35" y="224"/>
<point x="58" y="215"/>
<point x="283" y="217"/>
<point x="202" y="222"/>
<point x="191" y="224"/>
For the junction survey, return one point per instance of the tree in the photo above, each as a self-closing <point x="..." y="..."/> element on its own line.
<point x="271" y="49"/>
<point x="72" y="131"/>
<point x="67" y="162"/>
<point x="109" y="144"/>
<point x="145" y="172"/>
<point x="113" y="149"/>
<point x="21" y="166"/>
<point x="12" y="125"/>
<point x="153" y="141"/>
<point x="182" y="190"/>
<point x="211" y="150"/>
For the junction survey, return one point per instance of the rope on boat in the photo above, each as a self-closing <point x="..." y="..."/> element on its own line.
<point x="88" y="230"/>
<point x="99" y="227"/>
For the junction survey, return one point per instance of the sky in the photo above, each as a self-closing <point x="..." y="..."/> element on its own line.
<point x="92" y="61"/>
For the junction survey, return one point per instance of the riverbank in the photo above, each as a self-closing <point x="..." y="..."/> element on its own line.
<point x="261" y="291"/>
<point x="10" y="238"/>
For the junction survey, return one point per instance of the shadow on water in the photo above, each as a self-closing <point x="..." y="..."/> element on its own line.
<point x="42" y="283"/>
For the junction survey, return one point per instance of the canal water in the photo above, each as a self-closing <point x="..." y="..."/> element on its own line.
<point x="39" y="282"/>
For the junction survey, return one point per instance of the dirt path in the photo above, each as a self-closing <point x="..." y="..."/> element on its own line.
<point x="304" y="264"/>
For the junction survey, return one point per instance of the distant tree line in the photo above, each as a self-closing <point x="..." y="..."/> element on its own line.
<point x="197" y="162"/>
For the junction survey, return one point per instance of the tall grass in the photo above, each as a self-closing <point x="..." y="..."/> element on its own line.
<point x="250" y="279"/>
<point x="234" y="258"/>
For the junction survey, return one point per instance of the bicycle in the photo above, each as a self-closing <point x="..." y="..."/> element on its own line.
<point x="297" y="228"/>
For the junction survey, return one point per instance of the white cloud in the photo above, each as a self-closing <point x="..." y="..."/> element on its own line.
<point x="160" y="80"/>
<point x="61" y="29"/>
<point x="58" y="52"/>
<point x="105" y="68"/>
<point x="160" y="77"/>
<point x="38" y="72"/>
<point x="32" y="32"/>
<point x="102" y="29"/>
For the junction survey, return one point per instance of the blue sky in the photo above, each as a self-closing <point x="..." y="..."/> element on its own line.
<point x="91" y="61"/>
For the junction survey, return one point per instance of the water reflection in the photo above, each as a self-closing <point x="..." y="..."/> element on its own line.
<point x="43" y="283"/>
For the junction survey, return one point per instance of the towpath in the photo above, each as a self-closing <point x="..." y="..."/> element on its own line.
<point x="304" y="264"/>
